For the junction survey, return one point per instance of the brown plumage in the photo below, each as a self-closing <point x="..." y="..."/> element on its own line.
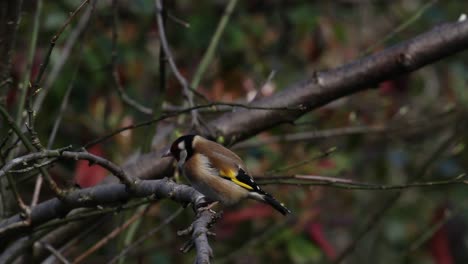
<point x="217" y="172"/>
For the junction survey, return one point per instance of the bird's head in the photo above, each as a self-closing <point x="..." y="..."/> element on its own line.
<point x="181" y="149"/>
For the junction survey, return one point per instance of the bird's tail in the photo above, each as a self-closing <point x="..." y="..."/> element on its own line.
<point x="267" y="198"/>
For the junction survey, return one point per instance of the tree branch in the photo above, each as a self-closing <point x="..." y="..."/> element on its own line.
<point x="98" y="196"/>
<point x="326" y="86"/>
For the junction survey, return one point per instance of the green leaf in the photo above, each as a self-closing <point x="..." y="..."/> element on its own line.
<point x="302" y="250"/>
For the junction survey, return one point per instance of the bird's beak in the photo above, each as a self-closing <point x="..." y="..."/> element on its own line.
<point x="167" y="154"/>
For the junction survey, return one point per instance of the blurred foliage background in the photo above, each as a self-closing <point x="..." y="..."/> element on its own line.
<point x="410" y="128"/>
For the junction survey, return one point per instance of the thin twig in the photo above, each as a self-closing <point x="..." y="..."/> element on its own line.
<point x="29" y="146"/>
<point x="54" y="39"/>
<point x="267" y="81"/>
<point x="53" y="133"/>
<point x="82" y="24"/>
<point x="318" y="134"/>
<point x="54" y="252"/>
<point x="250" y="244"/>
<point x="378" y="129"/>
<point x="32" y="49"/>
<point x="377" y="217"/>
<point x="214" y="42"/>
<point x="170" y="58"/>
<point x="57" y="67"/>
<point x="183" y="111"/>
<point x="13" y="226"/>
<point x="408" y="22"/>
<point x="11" y="147"/>
<point x="427" y="233"/>
<point x="34" y="166"/>
<point x="110" y="236"/>
<point x="93" y="159"/>
<point x="19" y="201"/>
<point x="92" y="212"/>
<point x="115" y="74"/>
<point x="176" y="20"/>
<point x="75" y="240"/>
<point x="352" y="185"/>
<point x="149" y="234"/>
<point x="322" y="155"/>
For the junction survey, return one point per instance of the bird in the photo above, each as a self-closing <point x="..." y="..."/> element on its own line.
<point x="217" y="172"/>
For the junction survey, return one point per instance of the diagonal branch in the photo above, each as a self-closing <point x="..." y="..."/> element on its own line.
<point x="326" y="86"/>
<point x="100" y="195"/>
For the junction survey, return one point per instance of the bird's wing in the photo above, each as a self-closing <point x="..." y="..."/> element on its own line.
<point x="229" y="165"/>
<point x="240" y="177"/>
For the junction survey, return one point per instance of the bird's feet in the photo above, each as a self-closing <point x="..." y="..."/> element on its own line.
<point x="208" y="207"/>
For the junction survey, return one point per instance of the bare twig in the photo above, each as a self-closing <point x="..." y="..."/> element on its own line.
<point x="115" y="74"/>
<point x="209" y="54"/>
<point x="63" y="106"/>
<point x="10" y="21"/>
<point x="377" y="217"/>
<point x="93" y="159"/>
<point x="32" y="49"/>
<point x="29" y="146"/>
<point x="54" y="39"/>
<point x="108" y="194"/>
<point x="428" y="232"/>
<point x="170" y="58"/>
<point x="149" y="234"/>
<point x="55" y="252"/>
<point x="359" y="75"/>
<point x="83" y="214"/>
<point x="183" y="111"/>
<point x="322" y="155"/>
<point x="63" y="57"/>
<point x="178" y="20"/>
<point x="254" y="241"/>
<point x="110" y="236"/>
<point x="408" y="22"/>
<point x="67" y="237"/>
<point x="351" y="184"/>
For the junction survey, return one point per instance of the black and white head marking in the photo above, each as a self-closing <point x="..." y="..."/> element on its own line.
<point x="182" y="149"/>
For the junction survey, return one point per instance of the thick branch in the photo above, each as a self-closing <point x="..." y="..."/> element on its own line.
<point x="326" y="86"/>
<point x="107" y="194"/>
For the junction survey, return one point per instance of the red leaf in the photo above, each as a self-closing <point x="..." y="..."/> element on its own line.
<point x="315" y="231"/>
<point x="439" y="243"/>
<point x="394" y="86"/>
<point x="326" y="163"/>
<point x="86" y="175"/>
<point x="229" y="223"/>
<point x="254" y="212"/>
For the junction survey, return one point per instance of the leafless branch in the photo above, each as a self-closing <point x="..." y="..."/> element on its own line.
<point x="170" y="58"/>
<point x="110" y="236"/>
<point x="54" y="39"/>
<point x="93" y="159"/>
<point x="149" y="234"/>
<point x="342" y="183"/>
<point x="55" y="252"/>
<point x="64" y="55"/>
<point x="111" y="194"/>
<point x="115" y="74"/>
<point x="326" y="86"/>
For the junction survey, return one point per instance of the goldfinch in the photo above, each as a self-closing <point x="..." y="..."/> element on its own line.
<point x="217" y="172"/>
